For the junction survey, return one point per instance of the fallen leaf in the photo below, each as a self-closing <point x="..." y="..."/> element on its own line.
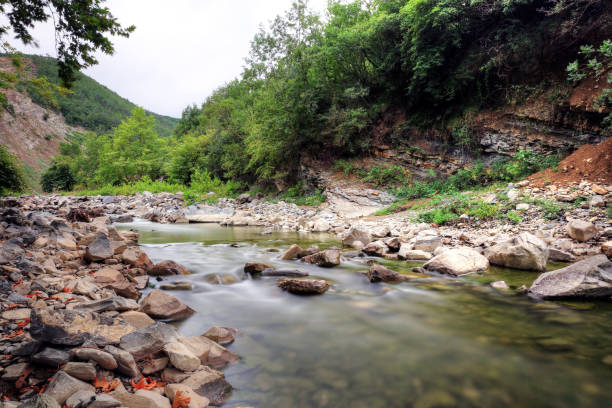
<point x="104" y="385"/>
<point x="146" y="384"/>
<point x="180" y="400"/>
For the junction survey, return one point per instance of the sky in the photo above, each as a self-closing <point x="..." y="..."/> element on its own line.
<point x="181" y="51"/>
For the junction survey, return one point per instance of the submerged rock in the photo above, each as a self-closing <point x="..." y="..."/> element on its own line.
<point x="291" y="253"/>
<point x="458" y="261"/>
<point x="379" y="273"/>
<point x="591" y="277"/>
<point x="304" y="286"/>
<point x="221" y="335"/>
<point x="256" y="267"/>
<point x="524" y="251"/>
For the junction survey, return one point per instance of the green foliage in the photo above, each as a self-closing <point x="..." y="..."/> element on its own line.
<point x="513" y="217"/>
<point x="609" y="212"/>
<point x="89" y="104"/>
<point x="297" y="195"/>
<point x="439" y="216"/>
<point x="11" y="175"/>
<point x="58" y="177"/>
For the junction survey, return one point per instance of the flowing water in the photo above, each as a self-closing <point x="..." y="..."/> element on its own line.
<point x="432" y="342"/>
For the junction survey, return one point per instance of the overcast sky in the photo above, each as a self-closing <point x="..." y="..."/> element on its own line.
<point x="181" y="50"/>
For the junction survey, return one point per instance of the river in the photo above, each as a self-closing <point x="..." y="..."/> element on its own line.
<point x="432" y="342"/>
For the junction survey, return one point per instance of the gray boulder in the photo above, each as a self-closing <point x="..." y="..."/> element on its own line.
<point x="457" y="261"/>
<point x="100" y="249"/>
<point x="524" y="251"/>
<point x="581" y="230"/>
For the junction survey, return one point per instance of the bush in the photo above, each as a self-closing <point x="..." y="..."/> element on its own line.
<point x="11" y="175"/>
<point x="58" y="177"/>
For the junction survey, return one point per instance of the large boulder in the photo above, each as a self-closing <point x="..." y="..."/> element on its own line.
<point x="165" y="268"/>
<point x="457" y="261"/>
<point x="524" y="251"/>
<point x="162" y="305"/>
<point x="357" y="238"/>
<point x="100" y="249"/>
<point x="590" y="278"/>
<point x="326" y="259"/>
<point x="135" y="257"/>
<point x="304" y="286"/>
<point x="581" y="230"/>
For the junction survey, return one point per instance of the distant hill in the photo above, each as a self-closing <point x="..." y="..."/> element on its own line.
<point x="91" y="105"/>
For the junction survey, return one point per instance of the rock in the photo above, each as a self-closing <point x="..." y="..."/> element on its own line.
<point x="513" y="194"/>
<point x="104" y="359"/>
<point x="17" y="314"/>
<point x="125" y="289"/>
<point x="256" y="267"/>
<point x="292" y="253"/>
<point x="137" y="319"/>
<point x="209" y="383"/>
<point x="82" y="397"/>
<point x="132" y="400"/>
<point x="413" y="254"/>
<point x="159" y="400"/>
<point x="162" y="305"/>
<point x="597" y="201"/>
<point x="499" y="285"/>
<point x="292" y="273"/>
<point x="221" y="335"/>
<point x="326" y="259"/>
<point x="108" y="275"/>
<point x="357" y="235"/>
<point x="309" y="251"/>
<point x="125" y="361"/>
<point x="597" y="189"/>
<point x="82" y="371"/>
<point x="51" y="357"/>
<point x="589" y="278"/>
<point x="165" y="268"/>
<point x="524" y="251"/>
<point x="378" y="273"/>
<point x="606" y="248"/>
<point x="40" y="401"/>
<point x="209" y="352"/>
<point x="135" y="257"/>
<point x="105" y="401"/>
<point x="149" y="340"/>
<point x="195" y="400"/>
<point x="72" y="328"/>
<point x="14" y="371"/>
<point x="100" y="249"/>
<point x="380" y="231"/>
<point x="457" y="261"/>
<point x="177" y="285"/>
<point x="556" y="255"/>
<point x="63" y="386"/>
<point x="321" y="226"/>
<point x="581" y="230"/>
<point x="153" y="365"/>
<point x="180" y="356"/>
<point x="115" y="303"/>
<point x="244" y="198"/>
<point x="427" y="242"/>
<point x="376" y="248"/>
<point x="304" y="286"/>
<point x="522" y="207"/>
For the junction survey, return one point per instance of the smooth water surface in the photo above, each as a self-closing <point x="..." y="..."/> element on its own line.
<point x="432" y="342"/>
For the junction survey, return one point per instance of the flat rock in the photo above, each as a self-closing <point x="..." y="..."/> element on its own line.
<point x="16" y="314"/>
<point x="114" y="303"/>
<point x="413" y="254"/>
<point x="162" y="305"/>
<point x="51" y="357"/>
<point x="149" y="340"/>
<point x="100" y="249"/>
<point x="376" y="248"/>
<point x="180" y="356"/>
<point x="256" y="267"/>
<point x="221" y="335"/>
<point x="291" y="253"/>
<point x="378" y="273"/>
<point x="104" y="359"/>
<point x="209" y="383"/>
<point x="83" y="397"/>
<point x="132" y="400"/>
<point x="304" y="286"/>
<point x="457" y="261"/>
<point x="195" y="400"/>
<point x="125" y="361"/>
<point x="82" y="371"/>
<point x="209" y="352"/>
<point x="104" y="401"/>
<point x="159" y="400"/>
<point x="589" y="278"/>
<point x="40" y="401"/>
<point x="62" y="386"/>
<point x="137" y="319"/>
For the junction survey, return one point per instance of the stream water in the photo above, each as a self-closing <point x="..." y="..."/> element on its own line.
<point x="432" y="342"/>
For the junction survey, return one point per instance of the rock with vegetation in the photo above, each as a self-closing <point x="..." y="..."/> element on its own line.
<point x="523" y="251"/>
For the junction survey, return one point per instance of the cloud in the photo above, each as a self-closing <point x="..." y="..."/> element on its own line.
<point x="181" y="51"/>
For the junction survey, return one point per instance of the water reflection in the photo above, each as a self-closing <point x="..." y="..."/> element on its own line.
<point x="432" y="342"/>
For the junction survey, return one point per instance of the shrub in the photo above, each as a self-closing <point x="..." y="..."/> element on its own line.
<point x="58" y="177"/>
<point x="439" y="216"/>
<point x="11" y="175"/>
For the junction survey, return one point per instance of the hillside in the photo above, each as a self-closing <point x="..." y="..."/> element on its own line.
<point x="91" y="105"/>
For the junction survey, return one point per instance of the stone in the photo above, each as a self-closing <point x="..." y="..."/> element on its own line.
<point x="499" y="285"/>
<point x="114" y="303"/>
<point x="209" y="383"/>
<point x="72" y="328"/>
<point x="83" y="397"/>
<point x="513" y="194"/>
<point x="606" y="248"/>
<point x="285" y="272"/>
<point x="244" y="198"/>
<point x="357" y="235"/>
<point x="581" y="230"/>
<point x="149" y="340"/>
<point x="376" y="248"/>
<point x="180" y="356"/>
<point x="108" y="275"/>
<point x="100" y="249"/>
<point x="326" y="259"/>
<point x="177" y="285"/>
<point x="597" y="201"/>
<point x="413" y="254"/>
<point x="14" y="371"/>
<point x="427" y="242"/>
<point x="209" y="352"/>
<point x="51" y="357"/>
<point x="82" y="371"/>
<point x="256" y="267"/>
<point x="380" y="231"/>
<point x="304" y="286"/>
<point x="165" y="268"/>
<point x="291" y="253"/>
<point x="195" y="400"/>
<point x="153" y="365"/>
<point x="221" y="335"/>
<point x="63" y="386"/>
<point x="597" y="189"/>
<point x="321" y="225"/>
<point x="137" y="319"/>
<point x="557" y="255"/>
<point x="522" y="207"/>
<point x="457" y="261"/>
<point x="159" y="400"/>
<point x="132" y="400"/>
<point x="104" y="359"/>
<point x="589" y="278"/>
<point x="17" y="314"/>
<point x="125" y="289"/>
<point x="523" y="251"/>
<point x="378" y="273"/>
<point x="162" y="305"/>
<point x="309" y="251"/>
<point x="105" y="401"/>
<point x="39" y="401"/>
<point x="136" y="257"/>
<point x="125" y="361"/>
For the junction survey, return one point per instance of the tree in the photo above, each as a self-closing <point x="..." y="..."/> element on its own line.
<point x="11" y="175"/>
<point x="81" y="28"/>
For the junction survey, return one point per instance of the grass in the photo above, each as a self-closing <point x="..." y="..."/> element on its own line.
<point x="298" y="196"/>
<point x="380" y="175"/>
